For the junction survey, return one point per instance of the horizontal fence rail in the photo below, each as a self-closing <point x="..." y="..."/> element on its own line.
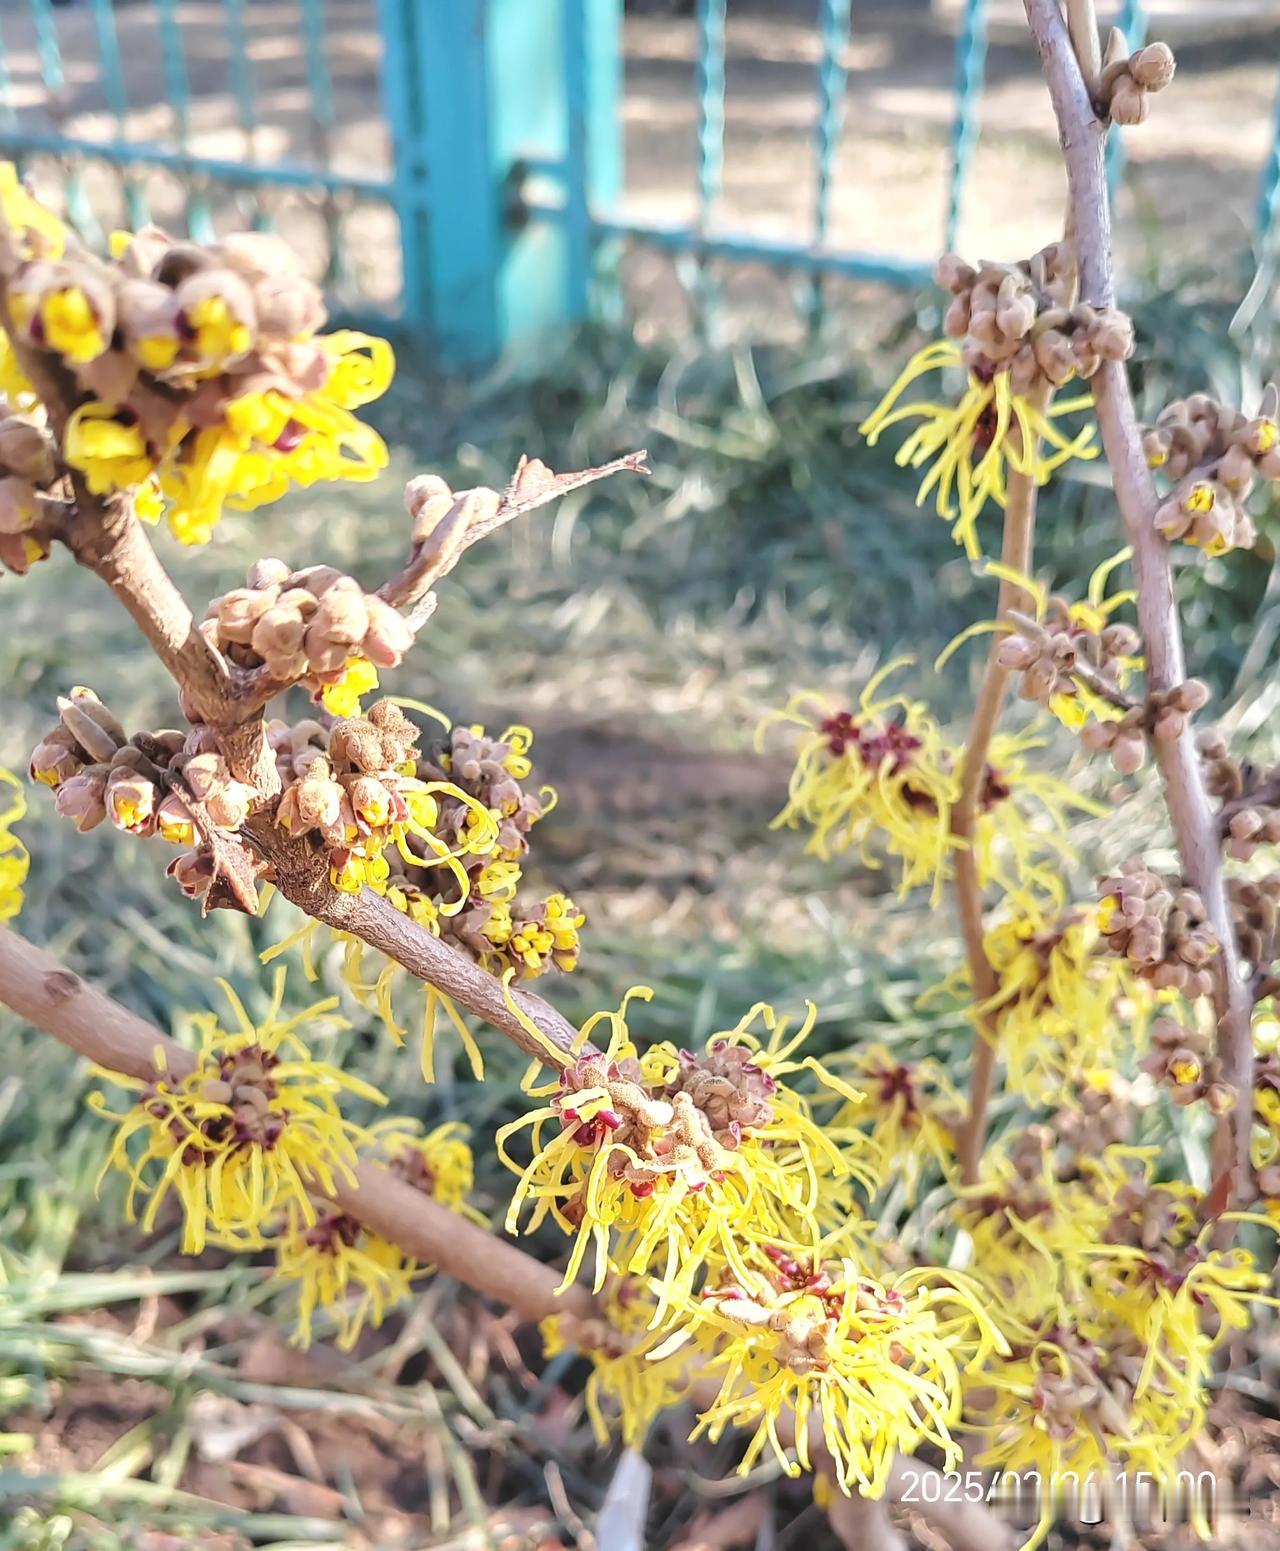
<point x="457" y="165"/>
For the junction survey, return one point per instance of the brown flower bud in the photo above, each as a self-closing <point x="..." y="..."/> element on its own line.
<point x="25" y="449"/>
<point x="192" y="872"/>
<point x="388" y="636"/>
<point x="217" y="314"/>
<point x="268" y="572"/>
<point x="82" y="798"/>
<point x="237" y="613"/>
<point x="1153" y="67"/>
<point x="1128" y="752"/>
<point x="89" y="722"/>
<point x="341" y="615"/>
<point x="56" y="758"/>
<point x="277" y="638"/>
<point x="1128" y="102"/>
<point x="174" y="822"/>
<point x="289" y="306"/>
<point x="428" y="500"/>
<point x="952" y="274"/>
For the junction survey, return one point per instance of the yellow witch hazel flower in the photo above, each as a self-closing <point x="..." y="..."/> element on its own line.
<point x="910" y="1109"/>
<point x="878" y="1366"/>
<point x="969" y="447"/>
<point x="15" y="860"/>
<point x="668" y="1158"/>
<point x="883" y="779"/>
<point x="244" y="1136"/>
<point x="354" y="1274"/>
<point x="1015" y="336"/>
<point x="627" y="1381"/>
<point x="204" y="374"/>
<point x="1063" y="1004"/>
<point x="1114" y="1302"/>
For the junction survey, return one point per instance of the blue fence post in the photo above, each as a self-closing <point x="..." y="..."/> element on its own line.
<point x="480" y="94"/>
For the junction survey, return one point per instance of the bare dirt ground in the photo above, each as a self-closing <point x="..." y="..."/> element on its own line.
<point x="1196" y="170"/>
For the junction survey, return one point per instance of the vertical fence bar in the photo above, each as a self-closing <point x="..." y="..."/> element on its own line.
<point x="240" y="79"/>
<point x="323" y="119"/>
<point x="49" y="54"/>
<point x="402" y="101"/>
<point x="834" y="25"/>
<point x="1133" y="24"/>
<point x="104" y="23"/>
<point x="178" y="90"/>
<point x="591" y="41"/>
<point x="711" y="56"/>
<point x="971" y="62"/>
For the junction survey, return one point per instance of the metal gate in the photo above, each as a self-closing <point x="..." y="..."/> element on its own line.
<point x="451" y="165"/>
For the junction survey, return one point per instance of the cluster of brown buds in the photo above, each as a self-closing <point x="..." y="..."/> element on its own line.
<point x="1129" y="79"/>
<point x="1095" y="1389"/>
<point x="176" y="312"/>
<point x="650" y="1134"/>
<point x="1147" y="1216"/>
<point x="489" y="917"/>
<point x="144" y="785"/>
<point x="1099" y="1114"/>
<point x="1024" y="319"/>
<point x="1161" y="927"/>
<point x="28" y="470"/>
<point x="1183" y="1060"/>
<point x="311" y="626"/>
<point x="1068" y="653"/>
<point x="346" y="787"/>
<point x="1250" y="796"/>
<point x="1162" y="716"/>
<point x="1255" y="915"/>
<point x="1214" y="455"/>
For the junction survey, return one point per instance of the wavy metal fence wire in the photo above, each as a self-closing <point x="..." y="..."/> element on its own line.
<point x="453" y="164"/>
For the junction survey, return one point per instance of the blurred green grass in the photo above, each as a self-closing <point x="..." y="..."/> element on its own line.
<point x="641" y="628"/>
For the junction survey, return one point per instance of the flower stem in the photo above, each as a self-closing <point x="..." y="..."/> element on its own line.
<point x="1016" y="553"/>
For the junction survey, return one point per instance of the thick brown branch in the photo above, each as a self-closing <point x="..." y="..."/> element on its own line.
<point x="60" y="1003"/>
<point x="1083" y="143"/>
<point x="302" y="876"/>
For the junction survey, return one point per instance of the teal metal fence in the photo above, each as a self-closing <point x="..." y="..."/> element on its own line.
<point x="454" y="165"/>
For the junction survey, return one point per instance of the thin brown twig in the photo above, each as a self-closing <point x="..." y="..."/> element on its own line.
<point x="1016" y="553"/>
<point x="1195" y="829"/>
<point x="47" y="994"/>
<point x="1083" y="672"/>
<point x="302" y="876"/>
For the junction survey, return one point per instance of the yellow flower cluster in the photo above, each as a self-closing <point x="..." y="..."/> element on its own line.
<point x="968" y="447"/>
<point x="728" y="1244"/>
<point x="882" y="779"/>
<point x="910" y="1110"/>
<point x="1114" y="1305"/>
<point x="1063" y="1005"/>
<point x="878" y="1366"/>
<point x="15" y="862"/>
<point x="478" y="825"/>
<point x="244" y="1136"/>
<point x="670" y="1159"/>
<point x="207" y="382"/>
<point x="356" y="1275"/>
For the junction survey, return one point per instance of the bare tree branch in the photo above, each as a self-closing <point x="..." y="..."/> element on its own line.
<point x="41" y="990"/>
<point x="302" y="876"/>
<point x="1083" y="139"/>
